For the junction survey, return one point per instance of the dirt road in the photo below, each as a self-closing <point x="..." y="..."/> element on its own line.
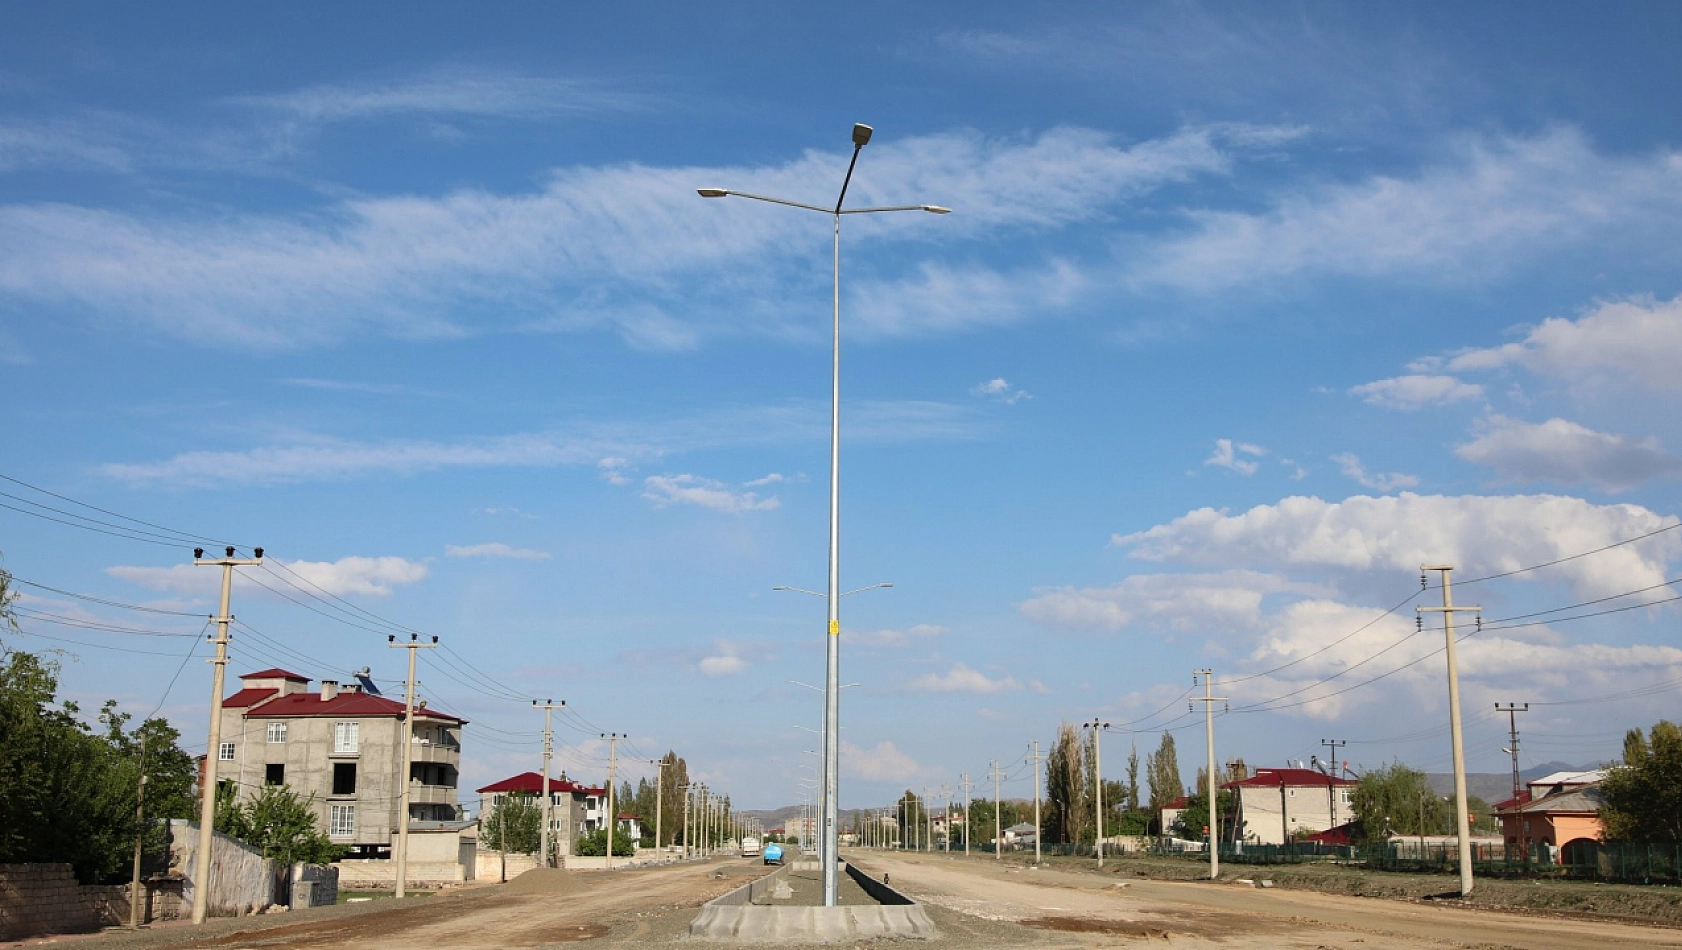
<point x="1090" y="910"/>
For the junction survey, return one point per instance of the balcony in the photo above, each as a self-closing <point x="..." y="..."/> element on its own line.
<point x="431" y="794"/>
<point x="448" y="754"/>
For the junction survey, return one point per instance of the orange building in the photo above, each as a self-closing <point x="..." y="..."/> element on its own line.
<point x="1553" y="815"/>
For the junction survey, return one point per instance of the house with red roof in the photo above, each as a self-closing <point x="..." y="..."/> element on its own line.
<point x="1279" y="805"/>
<point x="344" y="746"/>
<point x="1554" y="816"/>
<point x="575" y="810"/>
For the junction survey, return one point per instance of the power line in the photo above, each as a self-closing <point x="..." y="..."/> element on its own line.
<point x="101" y="600"/>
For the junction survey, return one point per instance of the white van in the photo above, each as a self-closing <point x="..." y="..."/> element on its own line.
<point x="750" y="846"/>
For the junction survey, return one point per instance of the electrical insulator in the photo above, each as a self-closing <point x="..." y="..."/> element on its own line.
<point x="1423" y="583"/>
<point x="1419" y="624"/>
<point x="1480" y="623"/>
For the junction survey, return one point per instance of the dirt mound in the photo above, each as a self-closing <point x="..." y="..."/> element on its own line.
<point x="545" y="881"/>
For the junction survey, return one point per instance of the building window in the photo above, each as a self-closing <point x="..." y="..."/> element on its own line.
<point x="226" y="752"/>
<point x="277" y="732"/>
<point x="274" y="774"/>
<point x="344" y="778"/>
<point x="346" y="738"/>
<point x="341" y="821"/>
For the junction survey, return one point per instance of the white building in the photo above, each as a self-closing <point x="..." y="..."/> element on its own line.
<point x="1277" y="805"/>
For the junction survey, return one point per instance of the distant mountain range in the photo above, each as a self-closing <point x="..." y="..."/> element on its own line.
<point x="1495" y="787"/>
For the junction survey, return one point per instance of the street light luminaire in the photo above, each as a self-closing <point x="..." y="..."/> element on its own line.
<point x="861" y="134"/>
<point x="713" y="192"/>
<point x="935" y="209"/>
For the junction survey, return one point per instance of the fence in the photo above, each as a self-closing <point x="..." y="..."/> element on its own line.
<point x="1582" y="860"/>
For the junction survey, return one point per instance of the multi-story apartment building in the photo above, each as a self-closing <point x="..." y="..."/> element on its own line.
<point x="1278" y="805"/>
<point x="342" y="747"/>
<point x="577" y="810"/>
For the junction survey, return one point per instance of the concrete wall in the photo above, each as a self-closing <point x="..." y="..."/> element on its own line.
<point x="242" y="881"/>
<point x="314" y="885"/>
<point x="45" y="899"/>
<point x="488" y="865"/>
<point x="436" y="857"/>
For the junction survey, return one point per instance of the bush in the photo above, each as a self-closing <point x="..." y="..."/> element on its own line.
<point x="594" y="844"/>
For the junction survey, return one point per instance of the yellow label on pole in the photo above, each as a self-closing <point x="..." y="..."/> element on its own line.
<point x="834" y="627"/>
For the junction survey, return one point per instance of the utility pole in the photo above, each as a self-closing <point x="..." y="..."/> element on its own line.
<point x="408" y="755"/>
<point x="139" y="837"/>
<point x="1097" y="726"/>
<point x="686" y="790"/>
<point x="998" y="814"/>
<point x="612" y="816"/>
<point x="1331" y="789"/>
<point x="659" y="791"/>
<point x="1036" y="758"/>
<point x="213" y="748"/>
<point x="1209" y="699"/>
<point x="967" y="784"/>
<point x="1462" y="819"/>
<point x="1512" y="710"/>
<point x="548" y="706"/>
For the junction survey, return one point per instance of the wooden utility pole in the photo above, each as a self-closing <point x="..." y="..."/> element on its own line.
<point x="1462" y="819"/>
<point x="1209" y="699"/>
<point x="998" y="814"/>
<point x="408" y="756"/>
<point x="1036" y="758"/>
<point x="213" y="747"/>
<point x="1097" y="726"/>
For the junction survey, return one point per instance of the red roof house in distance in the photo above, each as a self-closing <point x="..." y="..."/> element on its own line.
<point x="575" y="809"/>
<point x="1277" y="805"/>
<point x="344" y="746"/>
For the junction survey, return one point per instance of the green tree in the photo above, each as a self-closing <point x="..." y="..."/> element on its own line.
<point x="67" y="792"/>
<point x="1068" y="813"/>
<point x="1163" y="774"/>
<point x="1644" y="794"/>
<point x="1398" y="800"/>
<point x="1195" y="816"/>
<point x="593" y="845"/>
<point x="1132" y="776"/>
<point x="276" y="822"/>
<point x="909" y="812"/>
<point x="515" y="823"/>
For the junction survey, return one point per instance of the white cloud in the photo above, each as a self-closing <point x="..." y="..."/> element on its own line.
<point x="1634" y="340"/>
<point x="1226" y="456"/>
<point x="506" y="510"/>
<point x="895" y="638"/>
<point x="452" y="93"/>
<point x="496" y="549"/>
<point x="372" y="576"/>
<point x="1181" y="602"/>
<point x="1567" y="453"/>
<point x="722" y="665"/>
<point x="775" y="478"/>
<point x="314" y="458"/>
<point x="1351" y="466"/>
<point x="883" y="763"/>
<point x="627" y="241"/>
<point x="1479" y="534"/>
<point x="1000" y="390"/>
<point x="962" y="679"/>
<point x="612" y="470"/>
<point x="667" y="490"/>
<point x="343" y="386"/>
<point x="1416" y="391"/>
<point x="1465" y="219"/>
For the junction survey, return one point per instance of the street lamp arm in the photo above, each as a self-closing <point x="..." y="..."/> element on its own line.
<point x="931" y="209"/>
<point x="863" y="589"/>
<point x="727" y="193"/>
<point x="801" y="590"/>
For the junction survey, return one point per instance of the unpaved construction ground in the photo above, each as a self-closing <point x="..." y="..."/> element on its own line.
<point x="977" y="903"/>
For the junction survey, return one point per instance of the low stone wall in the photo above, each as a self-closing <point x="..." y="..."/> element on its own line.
<point x="380" y="874"/>
<point x="488" y="865"/>
<point x="314" y="885"/>
<point x="45" y="899"/>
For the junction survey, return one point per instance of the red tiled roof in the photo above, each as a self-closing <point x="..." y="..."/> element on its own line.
<point x="1341" y="835"/>
<point x="532" y="782"/>
<point x="1523" y="798"/>
<point x="1180" y="802"/>
<point x="275" y="673"/>
<point x="247" y="697"/>
<point x="1292" y="778"/>
<point x="625" y="815"/>
<point x="299" y="705"/>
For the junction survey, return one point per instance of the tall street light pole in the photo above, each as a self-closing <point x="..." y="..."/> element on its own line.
<point x="832" y="695"/>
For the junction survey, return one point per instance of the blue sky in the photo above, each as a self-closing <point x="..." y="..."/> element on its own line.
<point x="1242" y="314"/>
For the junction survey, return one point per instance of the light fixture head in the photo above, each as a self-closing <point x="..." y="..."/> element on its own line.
<point x="198" y="553"/>
<point x="936" y="209"/>
<point x="861" y="134"/>
<point x="258" y="552"/>
<point x="230" y="551"/>
<point x="712" y="192"/>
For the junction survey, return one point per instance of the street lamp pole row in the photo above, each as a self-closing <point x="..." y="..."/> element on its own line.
<point x="832" y="695"/>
